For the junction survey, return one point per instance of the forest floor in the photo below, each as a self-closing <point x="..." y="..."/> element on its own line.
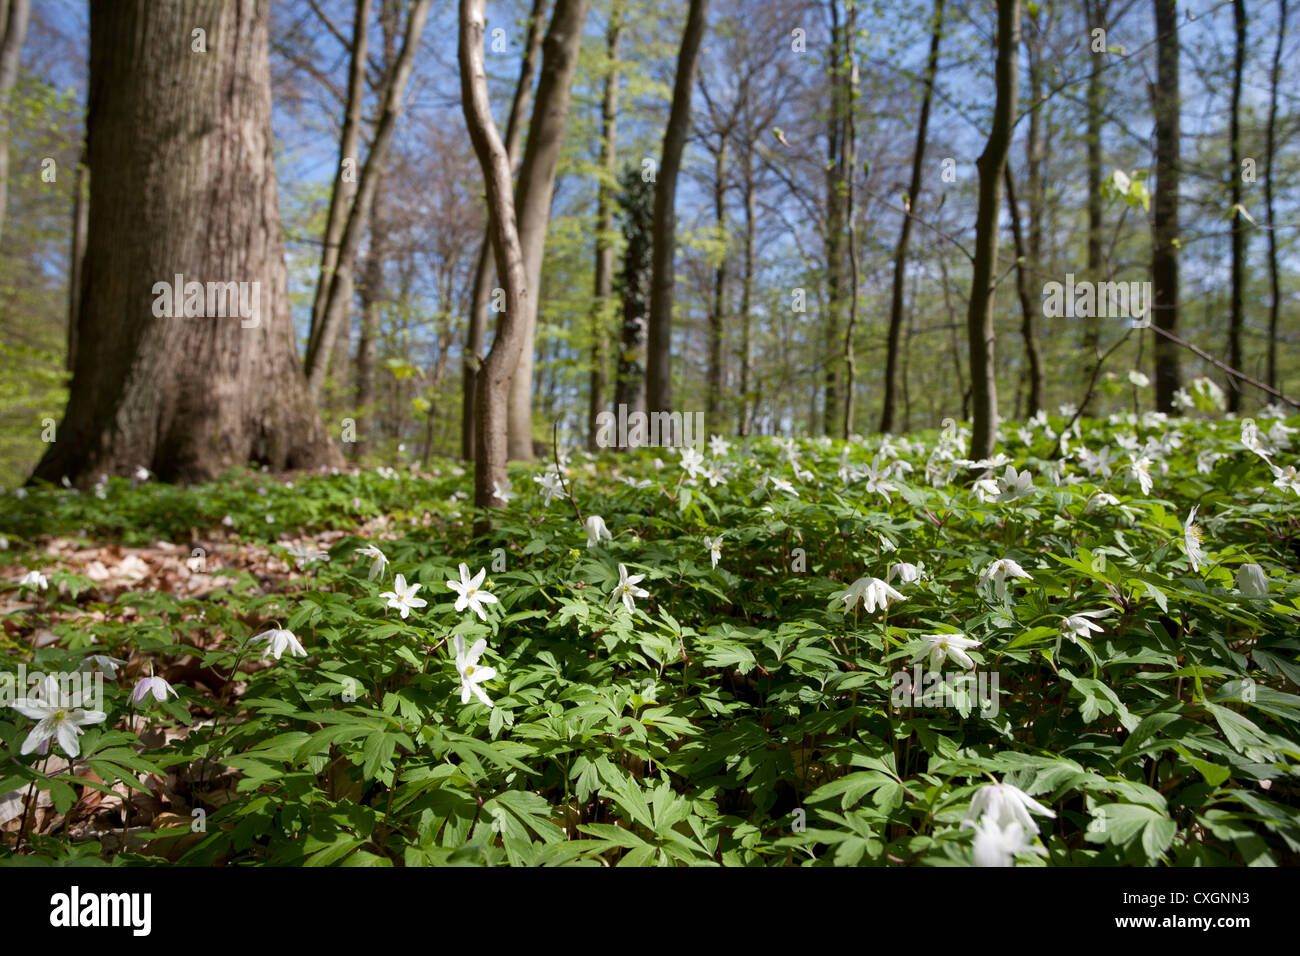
<point x="760" y="652"/>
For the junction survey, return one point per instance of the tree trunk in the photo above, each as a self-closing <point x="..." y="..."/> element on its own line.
<point x="1274" y="287"/>
<point x="14" y="15"/>
<point x="659" y="382"/>
<point x="1236" y="320"/>
<point x="1096" y="12"/>
<point x="493" y="381"/>
<point x="339" y="299"/>
<point x="1028" y="305"/>
<point x="836" y="194"/>
<point x="77" y="255"/>
<point x="604" y="282"/>
<point x="477" y="332"/>
<point x="1164" y="222"/>
<point x="345" y="177"/>
<point x="713" y="381"/>
<point x="979" y="317"/>
<point x="533" y="197"/>
<point x="182" y="170"/>
<point x="746" y="423"/>
<point x="372" y="297"/>
<point x="850" y="165"/>
<point x="888" y="413"/>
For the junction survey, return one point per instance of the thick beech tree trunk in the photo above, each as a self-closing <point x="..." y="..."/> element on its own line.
<point x="979" y="318"/>
<point x="1167" y="105"/>
<point x="183" y="182"/>
<point x="533" y="195"/>
<point x="659" y="367"/>
<point x="888" y="413"/>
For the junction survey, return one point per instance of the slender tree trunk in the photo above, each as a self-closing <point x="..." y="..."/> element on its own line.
<point x="14" y="15"/>
<point x="1097" y="11"/>
<point x="888" y="413"/>
<point x="713" y="380"/>
<point x="494" y="377"/>
<point x="345" y="177"/>
<point x="1274" y="287"/>
<point x="533" y="195"/>
<point x="180" y="155"/>
<point x="372" y="297"/>
<point x="851" y="162"/>
<point x="659" y="382"/>
<point x="1235" y="358"/>
<point x="979" y="318"/>
<point x="77" y="256"/>
<point x="1166" y="105"/>
<point x="836" y="196"/>
<point x="339" y="299"/>
<point x="604" y="228"/>
<point x="1028" y="305"/>
<point x="520" y="106"/>
<point x="746" y="422"/>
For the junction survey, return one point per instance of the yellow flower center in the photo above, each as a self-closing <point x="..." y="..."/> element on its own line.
<point x="60" y="715"/>
<point x="469" y="669"/>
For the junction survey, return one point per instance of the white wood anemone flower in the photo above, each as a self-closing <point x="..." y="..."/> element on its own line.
<point x="152" y="685"/>
<point x="715" y="548"/>
<point x="872" y="592"/>
<point x="951" y="647"/>
<point x="278" y="640"/>
<point x="378" y="560"/>
<point x="470" y="592"/>
<point x="626" y="589"/>
<point x="402" y="597"/>
<point x="999" y="845"/>
<point x="596" y="531"/>
<point x="471" y="674"/>
<point x="59" y="717"/>
<point x="1005" y="803"/>
<point x="999" y="572"/>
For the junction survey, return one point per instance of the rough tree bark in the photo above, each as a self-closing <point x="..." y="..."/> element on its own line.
<point x="533" y="195"/>
<point x="888" y="413"/>
<point x="604" y="281"/>
<point x="14" y="15"/>
<point x="494" y="376"/>
<point x="991" y="163"/>
<point x="659" y="382"/>
<point x="183" y="182"/>
<point x="520" y="105"/>
<point x="1165" y="99"/>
